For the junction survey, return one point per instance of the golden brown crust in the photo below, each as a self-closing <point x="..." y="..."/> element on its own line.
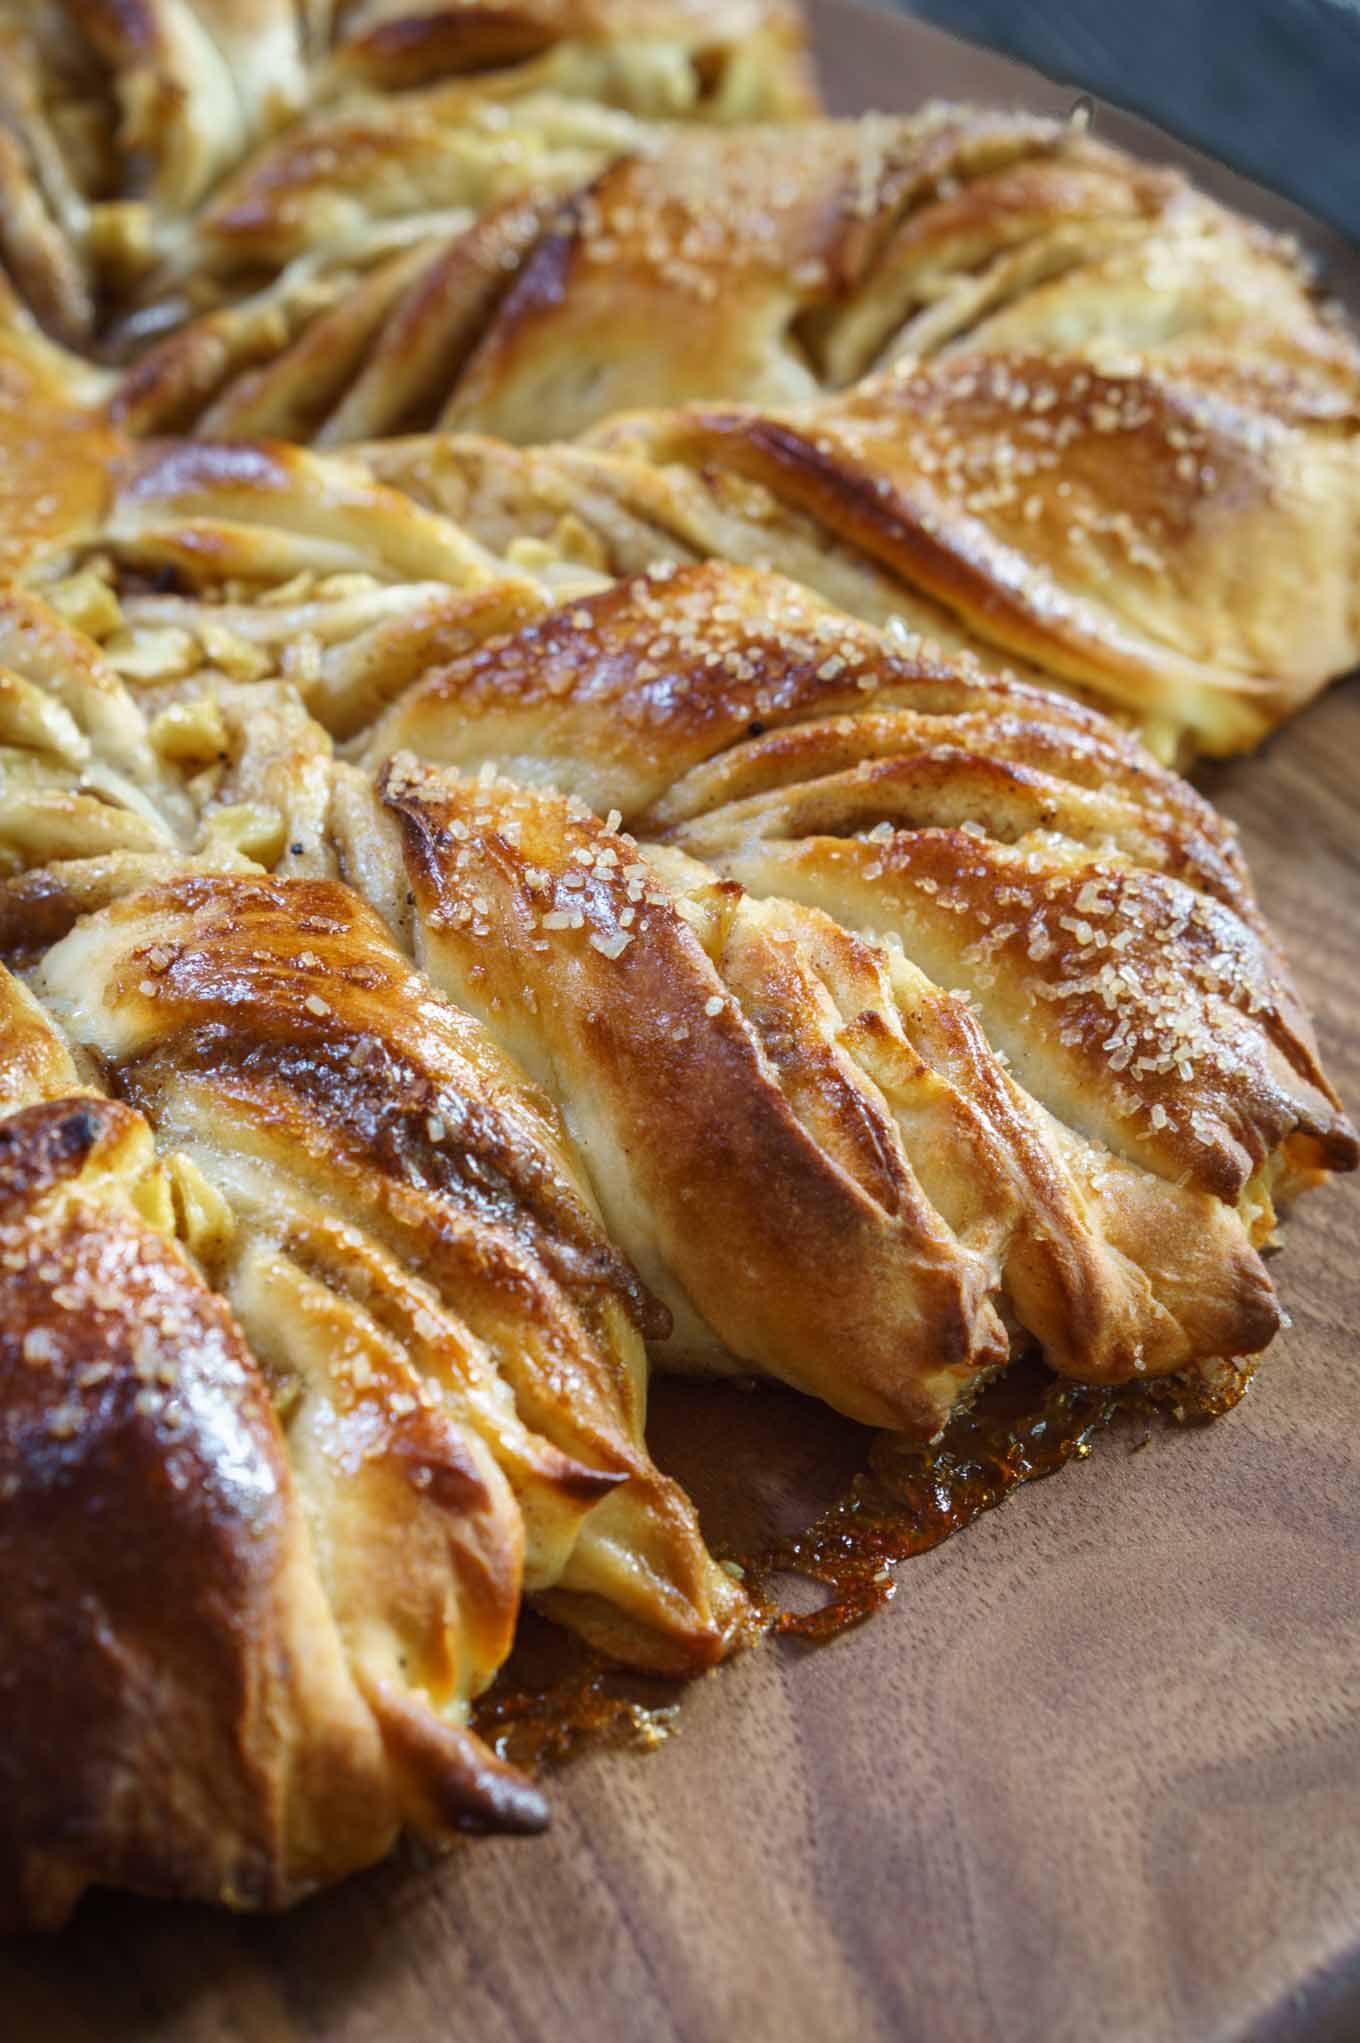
<point x="727" y="263"/>
<point x="1179" y="544"/>
<point x="1172" y="538"/>
<point x="1096" y="907"/>
<point x="262" y="513"/>
<point x="360" y="1130"/>
<point x="37" y="1064"/>
<point x="57" y="446"/>
<point x="811" y="1152"/>
<point x="169" y="691"/>
<point x="177" y="95"/>
<point x="210" y="1703"/>
<point x="408" y="1239"/>
<point x="722" y="267"/>
<point x="197" y="85"/>
<point x="158" y="156"/>
<point x="176" y="1712"/>
<point x="1110" y="429"/>
<point x="644" y="1021"/>
<point x="640" y="697"/>
<point x="339" y="1310"/>
<point x="576" y="268"/>
<point x="395" y="45"/>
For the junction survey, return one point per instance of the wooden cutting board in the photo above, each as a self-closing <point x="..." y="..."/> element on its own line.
<point x="1095" y="1774"/>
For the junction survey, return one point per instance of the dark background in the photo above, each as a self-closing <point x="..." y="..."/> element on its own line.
<point x="1271" y="87"/>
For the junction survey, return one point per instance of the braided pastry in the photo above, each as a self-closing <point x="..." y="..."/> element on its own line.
<point x="123" y="120"/>
<point x="186" y="1720"/>
<point x="1108" y="430"/>
<point x="136" y="716"/>
<point x="1013" y="840"/>
<point x="714" y="1045"/>
<point x="702" y="264"/>
<point x="1175" y="544"/>
<point x="476" y="932"/>
<point x="203" y="186"/>
<point x="446" y="1439"/>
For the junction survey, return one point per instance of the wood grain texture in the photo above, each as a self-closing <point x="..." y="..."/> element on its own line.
<point x="1095" y="1775"/>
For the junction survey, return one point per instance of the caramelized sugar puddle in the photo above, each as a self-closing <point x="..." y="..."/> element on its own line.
<point x="555" y="1696"/>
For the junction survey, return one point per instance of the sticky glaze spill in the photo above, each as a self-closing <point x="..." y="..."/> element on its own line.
<point x="557" y="1696"/>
